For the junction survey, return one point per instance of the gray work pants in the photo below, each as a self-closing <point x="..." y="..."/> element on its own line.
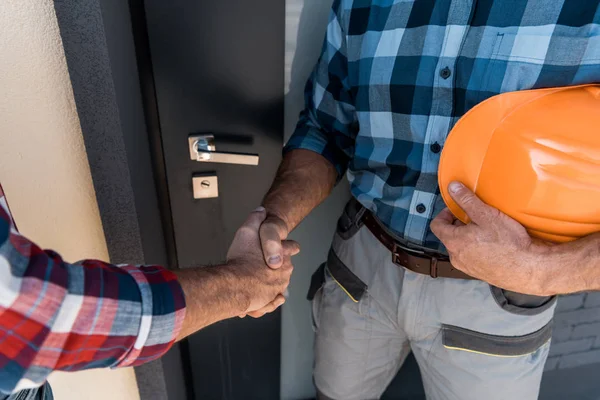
<point x="472" y="341"/>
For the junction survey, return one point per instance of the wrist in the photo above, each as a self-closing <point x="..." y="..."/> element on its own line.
<point x="579" y="263"/>
<point x="237" y="287"/>
<point x="544" y="273"/>
<point x="571" y="267"/>
<point x="211" y="294"/>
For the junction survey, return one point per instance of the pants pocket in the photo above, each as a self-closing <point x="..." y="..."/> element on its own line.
<point x="350" y="221"/>
<point x="456" y="338"/>
<point x="521" y="304"/>
<point x="351" y="284"/>
<point x="333" y="273"/>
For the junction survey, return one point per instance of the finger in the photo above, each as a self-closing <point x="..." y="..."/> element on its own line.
<point x="442" y="226"/>
<point x="257" y="314"/>
<point x="446" y="216"/>
<point x="270" y="239"/>
<point x="255" y="219"/>
<point x="458" y="222"/>
<point x="272" y="306"/>
<point x="290" y="247"/>
<point x="477" y="210"/>
<point x="287" y="267"/>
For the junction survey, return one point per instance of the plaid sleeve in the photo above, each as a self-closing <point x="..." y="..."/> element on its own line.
<point x="328" y="124"/>
<point x="69" y="317"/>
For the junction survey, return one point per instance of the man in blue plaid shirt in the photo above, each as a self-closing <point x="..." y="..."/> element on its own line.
<point x="392" y="80"/>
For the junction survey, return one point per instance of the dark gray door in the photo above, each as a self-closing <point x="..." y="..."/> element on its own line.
<point x="218" y="69"/>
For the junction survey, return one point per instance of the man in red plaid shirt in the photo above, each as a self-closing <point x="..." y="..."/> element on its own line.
<point x="60" y="316"/>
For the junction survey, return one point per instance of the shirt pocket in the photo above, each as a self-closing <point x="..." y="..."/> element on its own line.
<point x="530" y="61"/>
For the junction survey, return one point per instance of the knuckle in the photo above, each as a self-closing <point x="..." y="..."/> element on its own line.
<point x="284" y="283"/>
<point x="495" y="213"/>
<point x="455" y="261"/>
<point x="467" y="199"/>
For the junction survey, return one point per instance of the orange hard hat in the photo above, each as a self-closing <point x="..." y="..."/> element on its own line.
<point x="535" y="156"/>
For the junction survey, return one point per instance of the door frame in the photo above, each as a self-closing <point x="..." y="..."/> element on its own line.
<point x="98" y="42"/>
<point x="117" y="107"/>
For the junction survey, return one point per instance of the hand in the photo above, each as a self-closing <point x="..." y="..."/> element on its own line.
<point x="493" y="247"/>
<point x="273" y="232"/>
<point x="261" y="286"/>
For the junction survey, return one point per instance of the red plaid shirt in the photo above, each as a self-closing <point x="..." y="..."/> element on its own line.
<point x="60" y="316"/>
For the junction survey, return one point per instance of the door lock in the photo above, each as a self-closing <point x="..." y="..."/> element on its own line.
<point x="205" y="186"/>
<point x="203" y="149"/>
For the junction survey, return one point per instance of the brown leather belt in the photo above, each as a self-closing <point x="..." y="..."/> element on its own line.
<point x="413" y="259"/>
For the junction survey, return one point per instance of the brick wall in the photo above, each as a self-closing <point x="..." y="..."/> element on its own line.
<point x="576" y="337"/>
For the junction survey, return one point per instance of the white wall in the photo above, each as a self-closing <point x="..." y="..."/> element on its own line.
<point x="43" y="163"/>
<point x="306" y="21"/>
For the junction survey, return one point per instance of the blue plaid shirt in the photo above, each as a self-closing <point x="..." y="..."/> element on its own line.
<point x="395" y="76"/>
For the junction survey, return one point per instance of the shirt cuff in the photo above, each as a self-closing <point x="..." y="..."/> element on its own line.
<point x="310" y="138"/>
<point x="163" y="312"/>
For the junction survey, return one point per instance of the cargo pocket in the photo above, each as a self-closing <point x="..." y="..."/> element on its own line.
<point x="333" y="283"/>
<point x="521" y="304"/>
<point x="351" y="284"/>
<point x="456" y="338"/>
<point x="334" y="273"/>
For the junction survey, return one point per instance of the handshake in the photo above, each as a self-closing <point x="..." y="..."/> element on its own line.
<point x="259" y="259"/>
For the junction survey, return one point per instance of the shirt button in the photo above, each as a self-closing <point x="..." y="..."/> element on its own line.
<point x="445" y="73"/>
<point x="421" y="208"/>
<point x="435" y="147"/>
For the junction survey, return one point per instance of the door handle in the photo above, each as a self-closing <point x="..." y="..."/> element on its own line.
<point x="203" y="149"/>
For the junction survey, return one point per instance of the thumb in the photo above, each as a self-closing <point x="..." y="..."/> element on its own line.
<point x="272" y="232"/>
<point x="477" y="210"/>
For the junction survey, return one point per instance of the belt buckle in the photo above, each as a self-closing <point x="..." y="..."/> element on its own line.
<point x="396" y="256"/>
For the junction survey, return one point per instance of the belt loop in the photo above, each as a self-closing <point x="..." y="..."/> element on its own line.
<point x="395" y="255"/>
<point x="434" y="264"/>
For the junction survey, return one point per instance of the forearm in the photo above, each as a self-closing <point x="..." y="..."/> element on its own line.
<point x="303" y="181"/>
<point x="574" y="266"/>
<point x="212" y="294"/>
<point x="90" y="314"/>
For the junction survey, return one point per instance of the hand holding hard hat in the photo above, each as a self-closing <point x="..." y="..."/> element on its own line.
<point x="494" y="247"/>
<point x="535" y="156"/>
<point x="530" y="165"/>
